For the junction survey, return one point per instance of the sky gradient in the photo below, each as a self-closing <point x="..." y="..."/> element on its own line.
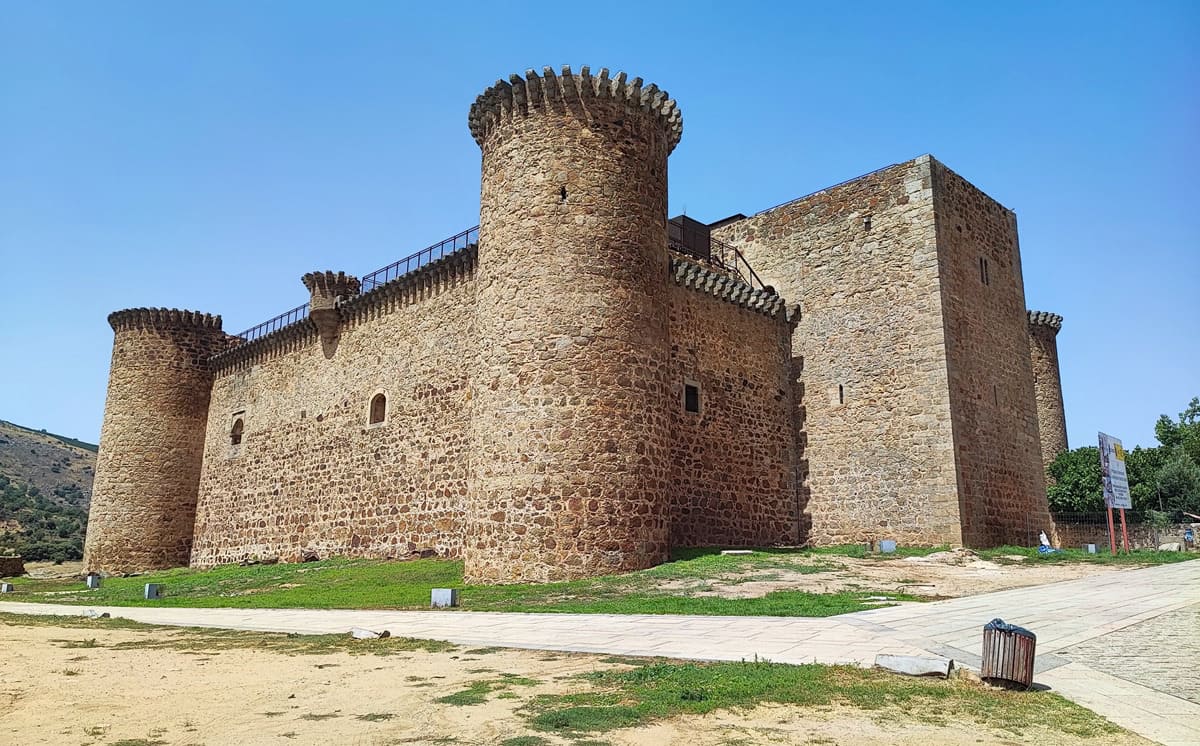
<point x="206" y="155"/>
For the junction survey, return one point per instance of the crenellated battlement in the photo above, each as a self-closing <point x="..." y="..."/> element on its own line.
<point x="731" y="290"/>
<point x="162" y="318"/>
<point x="1045" y="318"/>
<point x="331" y="285"/>
<point x="522" y="96"/>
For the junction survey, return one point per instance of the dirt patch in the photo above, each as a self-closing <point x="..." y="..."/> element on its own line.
<point x="949" y="574"/>
<point x="80" y="686"/>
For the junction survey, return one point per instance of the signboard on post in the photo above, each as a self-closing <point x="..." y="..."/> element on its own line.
<point x="1112" y="472"/>
<point x="1116" y="486"/>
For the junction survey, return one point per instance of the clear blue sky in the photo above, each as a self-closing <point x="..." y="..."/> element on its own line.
<point x="205" y="155"/>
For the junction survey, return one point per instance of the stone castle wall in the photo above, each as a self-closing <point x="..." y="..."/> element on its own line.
<point x="1047" y="383"/>
<point x="570" y="435"/>
<point x="733" y="463"/>
<point x="152" y="439"/>
<point x="862" y="260"/>
<point x="312" y="476"/>
<point x="997" y="447"/>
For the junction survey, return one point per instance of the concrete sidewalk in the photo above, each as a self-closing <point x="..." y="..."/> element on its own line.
<point x="1064" y="616"/>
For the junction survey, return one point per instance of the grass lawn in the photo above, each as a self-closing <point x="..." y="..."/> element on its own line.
<point x="377" y="584"/>
<point x="656" y="690"/>
<point x="1102" y="556"/>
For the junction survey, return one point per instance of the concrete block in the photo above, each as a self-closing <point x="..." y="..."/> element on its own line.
<point x="93" y="614"/>
<point x="1172" y="546"/>
<point x="93" y="581"/>
<point x="358" y="633"/>
<point x="1089" y="548"/>
<point x="911" y="665"/>
<point x="6" y="587"/>
<point x="736" y="552"/>
<point x="154" y="591"/>
<point x="887" y="546"/>
<point x="441" y="598"/>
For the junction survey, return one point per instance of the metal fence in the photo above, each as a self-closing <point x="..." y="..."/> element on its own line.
<point x="1075" y="530"/>
<point x="287" y="318"/>
<point x="420" y="259"/>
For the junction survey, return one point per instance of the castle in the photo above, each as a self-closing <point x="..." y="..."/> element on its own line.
<point x="580" y="384"/>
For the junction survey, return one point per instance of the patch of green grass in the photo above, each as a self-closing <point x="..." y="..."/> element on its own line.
<point x="1101" y="557"/>
<point x="524" y="741"/>
<point x="368" y="584"/>
<point x="197" y="640"/>
<point x="140" y="742"/>
<point x="483" y="651"/>
<point x="71" y="672"/>
<point x="375" y="717"/>
<point x="321" y="715"/>
<point x="477" y="692"/>
<point x="628" y="697"/>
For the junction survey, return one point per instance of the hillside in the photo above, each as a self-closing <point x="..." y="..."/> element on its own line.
<point x="45" y="492"/>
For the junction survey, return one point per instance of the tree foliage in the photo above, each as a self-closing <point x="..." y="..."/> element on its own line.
<point x="38" y="526"/>
<point x="1162" y="478"/>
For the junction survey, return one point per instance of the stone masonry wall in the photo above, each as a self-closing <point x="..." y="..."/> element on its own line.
<point x="875" y="416"/>
<point x="152" y="440"/>
<point x="571" y="421"/>
<point x="733" y="464"/>
<point x="1047" y="384"/>
<point x="997" y="448"/>
<point x="312" y="476"/>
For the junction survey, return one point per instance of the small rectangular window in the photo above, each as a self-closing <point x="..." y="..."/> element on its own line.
<point x="691" y="398"/>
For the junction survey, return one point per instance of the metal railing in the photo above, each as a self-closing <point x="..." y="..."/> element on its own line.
<point x="420" y="259"/>
<point x="698" y="243"/>
<point x="287" y="318"/>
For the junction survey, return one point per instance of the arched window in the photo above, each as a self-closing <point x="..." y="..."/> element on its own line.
<point x="235" y="433"/>
<point x="378" y="409"/>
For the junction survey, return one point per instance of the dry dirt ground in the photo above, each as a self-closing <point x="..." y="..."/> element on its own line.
<point x="62" y="685"/>
<point x="949" y="574"/>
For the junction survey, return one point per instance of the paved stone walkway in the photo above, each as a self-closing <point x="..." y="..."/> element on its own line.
<point x="1076" y="622"/>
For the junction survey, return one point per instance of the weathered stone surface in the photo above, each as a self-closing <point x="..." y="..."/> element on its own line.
<point x="152" y="439"/>
<point x="524" y="404"/>
<point x="911" y="665"/>
<point x="1047" y="383"/>
<point x="918" y="419"/>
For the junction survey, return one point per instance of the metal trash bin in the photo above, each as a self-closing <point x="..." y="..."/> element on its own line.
<point x="1008" y="652"/>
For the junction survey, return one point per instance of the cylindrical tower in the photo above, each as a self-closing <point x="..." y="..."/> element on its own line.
<point x="152" y="440"/>
<point x="1047" y="383"/>
<point x="570" y="419"/>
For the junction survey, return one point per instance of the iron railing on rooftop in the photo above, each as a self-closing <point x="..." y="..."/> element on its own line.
<point x="287" y="318"/>
<point x="420" y="259"/>
<point x="373" y="280"/>
<point x="694" y="239"/>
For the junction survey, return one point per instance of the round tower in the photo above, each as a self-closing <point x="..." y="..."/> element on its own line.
<point x="152" y="439"/>
<point x="570" y="422"/>
<point x="1047" y="383"/>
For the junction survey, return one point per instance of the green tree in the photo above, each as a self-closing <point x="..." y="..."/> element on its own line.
<point x="1183" y="435"/>
<point x="1077" y="487"/>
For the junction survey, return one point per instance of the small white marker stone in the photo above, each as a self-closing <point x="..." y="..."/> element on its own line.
<point x="6" y="587"/>
<point x="440" y="598"/>
<point x="154" y="591"/>
<point x="737" y="551"/>
<point x="887" y="546"/>
<point x="93" y="581"/>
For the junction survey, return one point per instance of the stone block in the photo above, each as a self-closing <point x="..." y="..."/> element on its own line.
<point x="441" y="598"/>
<point x="93" y="581"/>
<point x="1089" y="548"/>
<point x="1171" y="546"/>
<point x="911" y="665"/>
<point x="737" y="552"/>
<point x="154" y="591"/>
<point x="6" y="587"/>
<point x="359" y="633"/>
<point x="887" y="546"/>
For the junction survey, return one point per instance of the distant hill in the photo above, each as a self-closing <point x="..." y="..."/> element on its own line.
<point x="45" y="492"/>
